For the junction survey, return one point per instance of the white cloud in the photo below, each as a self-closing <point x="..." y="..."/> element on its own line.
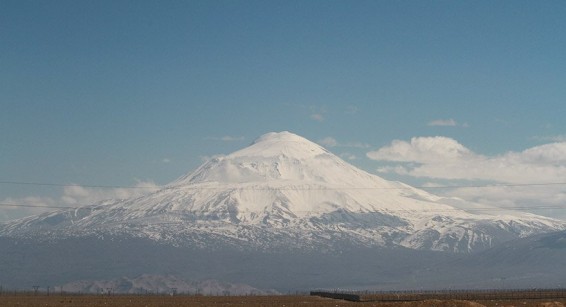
<point x="332" y="142"/>
<point x="446" y="159"/>
<point x="351" y="109"/>
<point x="328" y="142"/>
<point x="78" y="195"/>
<point x="226" y="138"/>
<point x="11" y="208"/>
<point x="446" y="123"/>
<point x="166" y="160"/>
<point x="315" y="112"/>
<point x="72" y="196"/>
<point x="421" y="150"/>
<point x="317" y="117"/>
<point x="356" y="145"/>
<point x="551" y="138"/>
<point x="348" y="156"/>
<point x="443" y="123"/>
<point x="548" y="200"/>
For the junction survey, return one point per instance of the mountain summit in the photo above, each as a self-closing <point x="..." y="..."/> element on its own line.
<point x="281" y="143"/>
<point x="286" y="192"/>
<point x="283" y="157"/>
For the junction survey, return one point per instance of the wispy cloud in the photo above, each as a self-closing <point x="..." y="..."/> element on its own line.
<point x="348" y="156"/>
<point x="356" y="145"/>
<point x="36" y="205"/>
<point x="315" y="112"/>
<point x="328" y="142"/>
<point x="551" y="138"/>
<point x="332" y="142"/>
<point x="547" y="200"/>
<point x="72" y="196"/>
<point x="78" y="195"/>
<point x="351" y="109"/>
<point x="226" y="138"/>
<point x="445" y="123"/>
<point x="317" y="117"/>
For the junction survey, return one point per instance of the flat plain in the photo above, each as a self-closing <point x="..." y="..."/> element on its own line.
<point x="252" y="301"/>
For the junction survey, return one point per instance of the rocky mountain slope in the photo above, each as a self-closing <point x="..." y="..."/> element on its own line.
<point x="534" y="262"/>
<point x="159" y="284"/>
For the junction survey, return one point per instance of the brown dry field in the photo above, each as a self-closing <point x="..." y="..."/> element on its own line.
<point x="252" y="301"/>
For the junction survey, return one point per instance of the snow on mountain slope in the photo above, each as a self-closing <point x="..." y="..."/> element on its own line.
<point x="284" y="191"/>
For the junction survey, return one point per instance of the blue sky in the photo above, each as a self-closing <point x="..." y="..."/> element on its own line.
<point x="140" y="92"/>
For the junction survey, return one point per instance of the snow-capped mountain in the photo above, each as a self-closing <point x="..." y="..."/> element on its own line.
<point x="285" y="192"/>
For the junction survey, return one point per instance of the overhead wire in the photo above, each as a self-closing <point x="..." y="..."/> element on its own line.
<point x="470" y="209"/>
<point x="37" y="206"/>
<point x="76" y="185"/>
<point x="287" y="188"/>
<point x="310" y="211"/>
<point x="299" y="188"/>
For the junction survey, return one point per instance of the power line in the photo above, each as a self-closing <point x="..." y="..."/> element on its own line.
<point x="283" y="188"/>
<point x="76" y="185"/>
<point x="286" y="188"/>
<point x="505" y="185"/>
<point x="546" y="207"/>
<point x="37" y="206"/>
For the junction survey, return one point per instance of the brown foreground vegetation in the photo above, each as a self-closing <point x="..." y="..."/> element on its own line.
<point x="252" y="301"/>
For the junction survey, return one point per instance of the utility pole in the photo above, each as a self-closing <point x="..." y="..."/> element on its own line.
<point x="35" y="288"/>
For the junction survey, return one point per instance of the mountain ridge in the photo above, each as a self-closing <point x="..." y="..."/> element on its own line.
<point x="284" y="191"/>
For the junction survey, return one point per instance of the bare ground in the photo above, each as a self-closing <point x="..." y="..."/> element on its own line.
<point x="252" y="301"/>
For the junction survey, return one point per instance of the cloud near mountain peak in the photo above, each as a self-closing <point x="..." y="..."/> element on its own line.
<point x="445" y="158"/>
<point x="421" y="150"/>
